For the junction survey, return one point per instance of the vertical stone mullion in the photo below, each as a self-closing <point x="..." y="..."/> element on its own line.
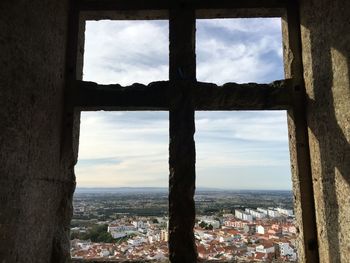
<point x="182" y="246"/>
<point x="298" y="139"/>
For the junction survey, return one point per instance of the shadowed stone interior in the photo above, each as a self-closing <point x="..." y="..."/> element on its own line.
<point x="37" y="158"/>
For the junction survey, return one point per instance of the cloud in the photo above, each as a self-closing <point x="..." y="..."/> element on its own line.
<point x="125" y="52"/>
<point x="126" y="149"/>
<point x="130" y="172"/>
<point x="239" y="50"/>
<point x="244" y="125"/>
<point x="109" y="134"/>
<point x="235" y="146"/>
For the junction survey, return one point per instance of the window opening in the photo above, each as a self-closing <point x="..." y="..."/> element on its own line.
<point x="244" y="199"/>
<point x="121" y="200"/>
<point x="287" y="94"/>
<point x="126" y="52"/>
<point x="239" y="50"/>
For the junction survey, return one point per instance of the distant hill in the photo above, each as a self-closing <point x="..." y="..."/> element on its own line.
<point x="160" y="190"/>
<point x="121" y="190"/>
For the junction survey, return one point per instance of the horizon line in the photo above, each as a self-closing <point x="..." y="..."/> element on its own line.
<point x="198" y="187"/>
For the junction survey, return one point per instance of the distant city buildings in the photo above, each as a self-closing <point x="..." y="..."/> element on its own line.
<point x="119" y="230"/>
<point x="255" y="213"/>
<point x="262" y="210"/>
<point x="250" y="214"/>
<point x="239" y="214"/>
<point x="225" y="230"/>
<point x="285" y="212"/>
<point x="258" y="235"/>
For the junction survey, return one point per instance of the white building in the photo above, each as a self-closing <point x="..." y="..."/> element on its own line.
<point x="286" y="212"/>
<point x="262" y="210"/>
<point x="153" y="238"/>
<point x="262" y="229"/>
<point x="207" y="236"/>
<point x="287" y="251"/>
<point x="139" y="224"/>
<point x="265" y="249"/>
<point x="271" y="212"/>
<point x="235" y="223"/>
<point x="254" y="213"/>
<point x="243" y="215"/>
<point x="118" y="231"/>
<point x="137" y="241"/>
<point x="104" y="253"/>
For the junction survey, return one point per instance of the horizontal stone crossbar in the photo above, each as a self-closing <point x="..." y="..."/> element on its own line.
<point x="104" y="5"/>
<point x="207" y="96"/>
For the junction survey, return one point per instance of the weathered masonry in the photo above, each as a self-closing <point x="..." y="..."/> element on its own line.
<point x="41" y="95"/>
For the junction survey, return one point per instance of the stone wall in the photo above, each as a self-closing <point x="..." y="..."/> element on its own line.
<point x="325" y="27"/>
<point x="35" y="186"/>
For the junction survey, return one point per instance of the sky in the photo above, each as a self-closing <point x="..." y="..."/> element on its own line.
<point x="234" y="150"/>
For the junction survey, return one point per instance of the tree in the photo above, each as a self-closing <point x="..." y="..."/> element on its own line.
<point x="203" y="224"/>
<point x="98" y="233"/>
<point x="210" y="227"/>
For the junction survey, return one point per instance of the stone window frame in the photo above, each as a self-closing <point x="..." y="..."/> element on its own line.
<point x="182" y="95"/>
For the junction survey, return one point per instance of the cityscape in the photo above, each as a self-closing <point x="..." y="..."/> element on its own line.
<point x="231" y="225"/>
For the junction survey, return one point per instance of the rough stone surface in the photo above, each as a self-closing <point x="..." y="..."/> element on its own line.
<point x="325" y="30"/>
<point x="35" y="189"/>
<point x="154" y="96"/>
<point x="298" y="139"/>
<point x="206" y="96"/>
<point x="248" y="96"/>
<point x="182" y="156"/>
